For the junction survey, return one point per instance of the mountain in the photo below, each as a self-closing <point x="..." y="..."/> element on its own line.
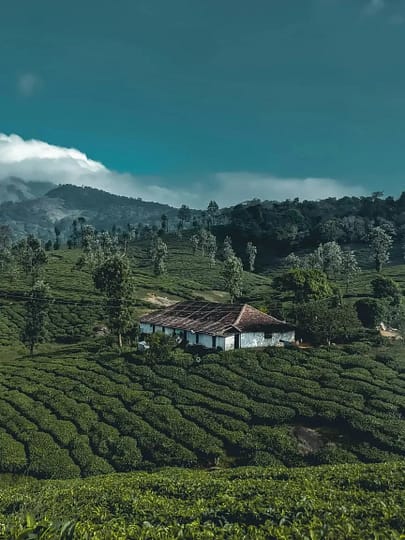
<point x="13" y="189"/>
<point x="37" y="210"/>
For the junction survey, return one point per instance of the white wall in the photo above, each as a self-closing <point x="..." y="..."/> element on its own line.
<point x="229" y="343"/>
<point x="257" y="339"/>
<point x="146" y="328"/>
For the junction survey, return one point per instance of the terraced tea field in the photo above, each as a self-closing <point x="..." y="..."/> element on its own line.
<point x="72" y="411"/>
<point x="344" y="502"/>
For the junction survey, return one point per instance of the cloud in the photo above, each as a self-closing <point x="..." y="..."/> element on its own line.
<point x="241" y="186"/>
<point x="374" y="6"/>
<point x="28" y="84"/>
<point x="34" y="160"/>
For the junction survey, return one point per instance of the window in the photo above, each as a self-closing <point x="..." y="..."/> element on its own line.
<point x="268" y="335"/>
<point x="214" y="342"/>
<point x="153" y="328"/>
<point x="197" y="339"/>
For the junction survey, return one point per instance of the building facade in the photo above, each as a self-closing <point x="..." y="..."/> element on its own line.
<point x="219" y="326"/>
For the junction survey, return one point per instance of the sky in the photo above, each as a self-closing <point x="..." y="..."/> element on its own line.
<point x="189" y="100"/>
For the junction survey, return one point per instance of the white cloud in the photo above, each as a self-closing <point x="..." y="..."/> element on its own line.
<point x="241" y="186"/>
<point x="374" y="6"/>
<point x="37" y="160"/>
<point x="28" y="84"/>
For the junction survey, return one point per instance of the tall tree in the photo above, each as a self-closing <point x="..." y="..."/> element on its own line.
<point x="212" y="212"/>
<point x="31" y="257"/>
<point x="251" y="252"/>
<point x="36" y="314"/>
<point x="381" y="244"/>
<point x="227" y="248"/>
<point x="184" y="214"/>
<point x="332" y="259"/>
<point x="195" y="242"/>
<point x="233" y="277"/>
<point x="56" y="244"/>
<point x="164" y="223"/>
<point x="158" y="254"/>
<point x="349" y="267"/>
<point x="113" y="278"/>
<point x="203" y="237"/>
<point x="211" y="248"/>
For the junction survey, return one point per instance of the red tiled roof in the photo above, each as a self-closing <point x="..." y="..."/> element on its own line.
<point x="215" y="319"/>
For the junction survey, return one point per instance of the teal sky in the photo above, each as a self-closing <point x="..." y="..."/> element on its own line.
<point x="186" y="90"/>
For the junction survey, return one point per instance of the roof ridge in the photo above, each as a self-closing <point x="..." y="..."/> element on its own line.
<point x="238" y="318"/>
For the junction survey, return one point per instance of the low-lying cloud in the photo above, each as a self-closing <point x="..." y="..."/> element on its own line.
<point x="34" y="160"/>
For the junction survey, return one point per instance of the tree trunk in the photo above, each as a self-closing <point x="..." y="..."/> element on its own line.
<point x="120" y="340"/>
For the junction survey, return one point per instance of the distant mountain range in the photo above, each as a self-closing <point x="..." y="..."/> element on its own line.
<point x="36" y="207"/>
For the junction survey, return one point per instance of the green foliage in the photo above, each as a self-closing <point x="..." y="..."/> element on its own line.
<point x="233" y="277"/>
<point x="158" y="253"/>
<point x="324" y="323"/>
<point x="113" y="278"/>
<point x="31" y="257"/>
<point x="305" y="284"/>
<point x="333" y="503"/>
<point x="70" y="412"/>
<point x="381" y="244"/>
<point x="385" y="287"/>
<point x="251" y="251"/>
<point x="36" y="314"/>
<point x="372" y="311"/>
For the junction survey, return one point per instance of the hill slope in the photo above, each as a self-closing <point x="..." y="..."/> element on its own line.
<point x="71" y="412"/>
<point x="59" y="206"/>
<point x="334" y="503"/>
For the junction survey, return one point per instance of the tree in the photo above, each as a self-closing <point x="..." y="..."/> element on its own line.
<point x="324" y="323"/>
<point x="161" y="347"/>
<point x="304" y="284"/>
<point x="31" y="257"/>
<point x="184" y="214"/>
<point x="381" y="243"/>
<point x="385" y="287"/>
<point x="158" y="253"/>
<point x="164" y="223"/>
<point x="56" y="244"/>
<point x="212" y="212"/>
<point x="36" y="314"/>
<point x="113" y="278"/>
<point x="332" y="259"/>
<point x="211" y="248"/>
<point x="233" y="276"/>
<point x="251" y="251"/>
<point x="293" y="261"/>
<point x="372" y="311"/>
<point x="227" y="248"/>
<point x="6" y="237"/>
<point x="203" y="237"/>
<point x="349" y="267"/>
<point x="195" y="242"/>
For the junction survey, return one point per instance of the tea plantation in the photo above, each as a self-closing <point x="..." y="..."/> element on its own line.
<point x="73" y="412"/>
<point x="79" y="409"/>
<point x="329" y="502"/>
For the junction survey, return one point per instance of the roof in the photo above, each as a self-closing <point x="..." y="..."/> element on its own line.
<point x="215" y="319"/>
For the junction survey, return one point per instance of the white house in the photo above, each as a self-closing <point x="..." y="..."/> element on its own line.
<point x="224" y="326"/>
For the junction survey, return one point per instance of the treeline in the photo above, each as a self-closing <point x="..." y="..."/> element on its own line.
<point x="298" y="224"/>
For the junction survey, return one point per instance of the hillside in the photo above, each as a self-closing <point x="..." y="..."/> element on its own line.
<point x="333" y="503"/>
<point x="39" y="212"/>
<point x="97" y="411"/>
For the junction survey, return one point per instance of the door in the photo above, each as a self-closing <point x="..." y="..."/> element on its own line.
<point x="237" y="341"/>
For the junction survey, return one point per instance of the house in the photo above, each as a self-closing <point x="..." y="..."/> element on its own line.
<point x="213" y="325"/>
